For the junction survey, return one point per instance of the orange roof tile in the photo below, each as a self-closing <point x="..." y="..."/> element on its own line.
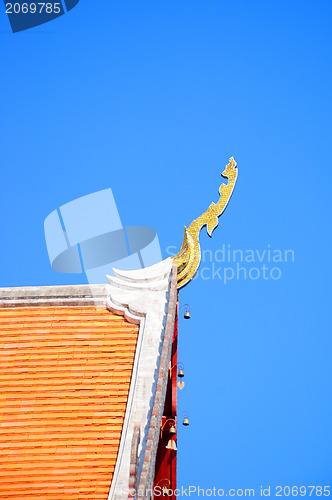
<point x="64" y="380"/>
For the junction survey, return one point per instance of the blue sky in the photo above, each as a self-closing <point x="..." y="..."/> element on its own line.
<point x="151" y="98"/>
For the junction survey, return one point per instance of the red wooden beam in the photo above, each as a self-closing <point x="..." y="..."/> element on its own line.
<point x="165" y="468"/>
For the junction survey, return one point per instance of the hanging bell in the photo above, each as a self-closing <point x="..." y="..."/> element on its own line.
<point x="171" y="445"/>
<point x="165" y="491"/>
<point x="187" y="315"/>
<point x="181" y="373"/>
<point x="185" y="421"/>
<point x="172" y="430"/>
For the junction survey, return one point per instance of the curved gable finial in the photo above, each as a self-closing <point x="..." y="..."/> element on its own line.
<point x="189" y="257"/>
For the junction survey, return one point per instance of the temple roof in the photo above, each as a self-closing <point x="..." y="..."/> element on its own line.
<point x="83" y="373"/>
<point x="64" y="381"/>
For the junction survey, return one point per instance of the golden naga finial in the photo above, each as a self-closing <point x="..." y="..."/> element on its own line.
<point x="189" y="257"/>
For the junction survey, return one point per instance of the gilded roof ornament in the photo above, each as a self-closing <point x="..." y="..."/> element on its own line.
<point x="189" y="257"/>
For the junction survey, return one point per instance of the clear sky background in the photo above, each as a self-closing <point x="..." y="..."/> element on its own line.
<point x="151" y="98"/>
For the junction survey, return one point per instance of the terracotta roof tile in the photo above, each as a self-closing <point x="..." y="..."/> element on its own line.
<point x="64" y="380"/>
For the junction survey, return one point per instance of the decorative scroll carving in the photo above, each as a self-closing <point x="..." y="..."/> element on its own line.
<point x="189" y="257"/>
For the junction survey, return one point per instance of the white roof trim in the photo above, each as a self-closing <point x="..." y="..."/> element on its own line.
<point x="142" y="294"/>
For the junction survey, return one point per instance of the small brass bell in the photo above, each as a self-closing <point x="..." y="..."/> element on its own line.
<point x="181" y="373"/>
<point x="187" y="315"/>
<point x="165" y="491"/>
<point x="185" y="421"/>
<point x="172" y="430"/>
